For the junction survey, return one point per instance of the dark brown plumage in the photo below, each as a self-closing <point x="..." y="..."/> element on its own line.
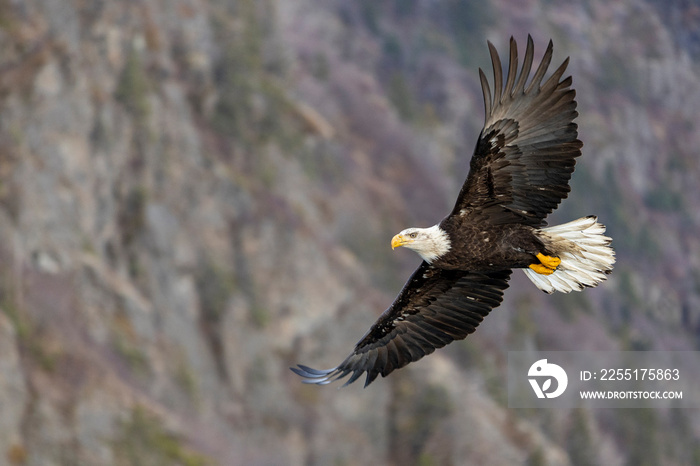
<point x="518" y="174"/>
<point x="434" y="308"/>
<point x="525" y="154"/>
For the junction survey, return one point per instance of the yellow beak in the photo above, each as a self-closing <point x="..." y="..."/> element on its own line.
<point x="399" y="240"/>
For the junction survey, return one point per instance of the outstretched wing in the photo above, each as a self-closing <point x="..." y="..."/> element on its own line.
<point x="526" y="152"/>
<point x="434" y="308"/>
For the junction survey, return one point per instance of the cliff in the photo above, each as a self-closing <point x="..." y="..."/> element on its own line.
<point x="195" y="195"/>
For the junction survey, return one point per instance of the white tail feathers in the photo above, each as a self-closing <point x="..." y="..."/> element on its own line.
<point x="585" y="253"/>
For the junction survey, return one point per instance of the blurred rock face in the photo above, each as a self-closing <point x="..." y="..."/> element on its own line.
<point x="195" y="195"/>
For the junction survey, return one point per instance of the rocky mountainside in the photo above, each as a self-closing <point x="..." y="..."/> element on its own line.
<point x="196" y="195"/>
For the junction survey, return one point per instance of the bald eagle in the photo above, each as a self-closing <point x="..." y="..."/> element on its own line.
<point x="519" y="173"/>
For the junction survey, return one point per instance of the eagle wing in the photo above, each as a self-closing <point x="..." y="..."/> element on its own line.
<point x="434" y="308"/>
<point x="526" y="152"/>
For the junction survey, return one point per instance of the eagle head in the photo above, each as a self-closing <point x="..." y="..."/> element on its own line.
<point x="430" y="243"/>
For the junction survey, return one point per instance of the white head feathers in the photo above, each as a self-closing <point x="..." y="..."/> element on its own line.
<point x="429" y="243"/>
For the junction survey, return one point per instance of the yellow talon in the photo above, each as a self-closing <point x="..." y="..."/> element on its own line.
<point x="548" y="261"/>
<point x="541" y="269"/>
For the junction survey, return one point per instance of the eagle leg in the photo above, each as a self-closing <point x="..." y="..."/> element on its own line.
<point x="547" y="265"/>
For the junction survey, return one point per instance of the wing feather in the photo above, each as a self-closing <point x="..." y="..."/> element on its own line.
<point x="527" y="66"/>
<point x="497" y="73"/>
<point x="526" y="152"/>
<point x="486" y="91"/>
<point x="542" y="69"/>
<point x="434" y="308"/>
<point x="512" y="71"/>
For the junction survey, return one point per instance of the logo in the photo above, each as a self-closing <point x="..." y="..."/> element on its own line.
<point x="544" y="371"/>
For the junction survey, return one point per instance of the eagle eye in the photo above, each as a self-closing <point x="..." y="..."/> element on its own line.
<point x="413" y="235"/>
